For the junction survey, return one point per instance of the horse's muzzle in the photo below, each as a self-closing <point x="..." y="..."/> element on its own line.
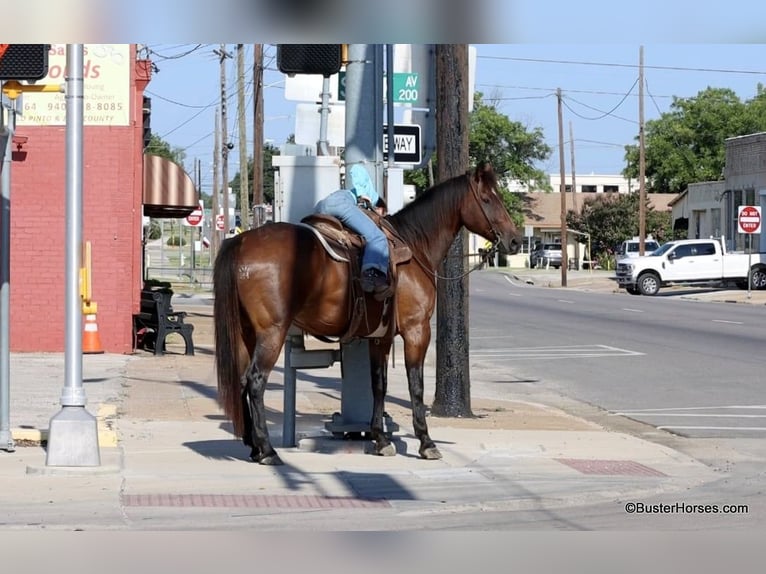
<point x="512" y="244"/>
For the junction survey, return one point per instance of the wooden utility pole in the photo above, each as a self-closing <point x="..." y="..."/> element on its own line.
<point x="258" y="126"/>
<point x="641" y="156"/>
<point x="224" y="149"/>
<point x="563" y="193"/>
<point x="216" y="239"/>
<point x="244" y="189"/>
<point x="453" y="384"/>
<point x="572" y="158"/>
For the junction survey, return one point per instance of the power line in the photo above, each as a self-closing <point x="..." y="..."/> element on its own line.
<point x="616" y="65"/>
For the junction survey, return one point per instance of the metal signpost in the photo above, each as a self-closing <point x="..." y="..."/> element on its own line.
<point x="749" y="222"/>
<point x="73" y="432"/>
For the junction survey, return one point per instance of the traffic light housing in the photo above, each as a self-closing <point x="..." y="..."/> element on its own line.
<point x="23" y="61"/>
<point x="324" y="59"/>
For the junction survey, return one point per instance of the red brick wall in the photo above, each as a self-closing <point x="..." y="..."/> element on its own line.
<point x="112" y="222"/>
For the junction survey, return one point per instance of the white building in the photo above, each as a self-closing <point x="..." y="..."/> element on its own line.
<point x="585" y="183"/>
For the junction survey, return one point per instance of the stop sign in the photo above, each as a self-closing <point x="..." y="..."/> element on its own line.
<point x="749" y="219"/>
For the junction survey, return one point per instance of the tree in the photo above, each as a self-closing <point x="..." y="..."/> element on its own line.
<point x="611" y="218"/>
<point x="269" y="151"/>
<point x="158" y="146"/>
<point x="686" y="144"/>
<point x="508" y="146"/>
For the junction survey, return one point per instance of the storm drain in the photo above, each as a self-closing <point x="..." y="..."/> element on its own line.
<point x="610" y="467"/>
<point x="296" y="501"/>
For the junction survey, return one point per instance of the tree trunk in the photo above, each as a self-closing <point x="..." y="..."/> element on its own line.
<point x="453" y="383"/>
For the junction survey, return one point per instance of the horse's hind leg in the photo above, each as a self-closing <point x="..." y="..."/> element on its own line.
<point x="256" y="434"/>
<point x="379" y="377"/>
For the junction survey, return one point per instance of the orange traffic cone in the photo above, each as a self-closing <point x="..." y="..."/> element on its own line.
<point x="91" y="341"/>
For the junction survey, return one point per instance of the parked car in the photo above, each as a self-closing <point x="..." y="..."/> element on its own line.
<point x="630" y="247"/>
<point x="546" y="255"/>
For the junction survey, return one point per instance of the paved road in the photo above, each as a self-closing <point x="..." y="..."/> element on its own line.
<point x="689" y="367"/>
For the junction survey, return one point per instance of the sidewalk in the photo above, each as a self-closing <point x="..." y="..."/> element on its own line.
<point x="600" y="281"/>
<point x="169" y="460"/>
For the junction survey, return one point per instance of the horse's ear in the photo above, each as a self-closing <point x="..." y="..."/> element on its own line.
<point x="484" y="173"/>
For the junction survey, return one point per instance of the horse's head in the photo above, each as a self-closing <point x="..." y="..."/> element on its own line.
<point x="484" y="212"/>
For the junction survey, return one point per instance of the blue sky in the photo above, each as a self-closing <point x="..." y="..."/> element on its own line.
<point x="598" y="83"/>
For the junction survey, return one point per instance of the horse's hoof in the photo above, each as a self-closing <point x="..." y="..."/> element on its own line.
<point x="271" y="460"/>
<point x="430" y="453"/>
<point x="387" y="450"/>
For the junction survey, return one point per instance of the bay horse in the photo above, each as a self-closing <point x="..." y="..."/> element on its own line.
<point x="277" y="275"/>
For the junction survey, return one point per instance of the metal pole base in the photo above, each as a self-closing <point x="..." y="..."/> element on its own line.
<point x="73" y="439"/>
<point x="344" y="428"/>
<point x="6" y="441"/>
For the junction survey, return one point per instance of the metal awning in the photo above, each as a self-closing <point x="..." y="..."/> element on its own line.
<point x="168" y="189"/>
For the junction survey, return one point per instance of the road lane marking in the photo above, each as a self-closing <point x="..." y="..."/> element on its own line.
<point x="729" y="322"/>
<point x="672" y="427"/>
<point x="565" y="301"/>
<point x="712" y="408"/>
<point x="563" y="352"/>
<point x="629" y="310"/>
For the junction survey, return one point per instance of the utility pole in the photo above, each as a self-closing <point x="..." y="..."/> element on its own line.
<point x="216" y="242"/>
<point x="244" y="190"/>
<point x="563" y="193"/>
<point x="224" y="149"/>
<point x="453" y="383"/>
<point x="641" y="156"/>
<point x="572" y="158"/>
<point x="258" y="126"/>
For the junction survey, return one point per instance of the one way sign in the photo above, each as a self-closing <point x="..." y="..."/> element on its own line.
<point x="406" y="143"/>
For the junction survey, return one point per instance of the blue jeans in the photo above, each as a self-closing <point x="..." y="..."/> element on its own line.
<point x="342" y="204"/>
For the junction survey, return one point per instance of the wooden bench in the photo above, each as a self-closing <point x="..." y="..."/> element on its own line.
<point x="157" y="320"/>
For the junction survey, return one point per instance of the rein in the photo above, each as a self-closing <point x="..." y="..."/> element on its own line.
<point x="484" y="258"/>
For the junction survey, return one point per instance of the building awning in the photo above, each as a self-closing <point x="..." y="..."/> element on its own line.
<point x="168" y="189"/>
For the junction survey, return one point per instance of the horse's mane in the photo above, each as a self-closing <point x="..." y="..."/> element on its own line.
<point x="430" y="211"/>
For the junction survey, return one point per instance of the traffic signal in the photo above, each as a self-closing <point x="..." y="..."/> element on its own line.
<point x="324" y="59"/>
<point x="147" y="109"/>
<point x="23" y="61"/>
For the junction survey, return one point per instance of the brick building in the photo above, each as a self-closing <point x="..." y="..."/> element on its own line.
<point x="113" y="191"/>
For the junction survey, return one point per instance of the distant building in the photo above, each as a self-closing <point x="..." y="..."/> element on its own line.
<point x="585" y="184"/>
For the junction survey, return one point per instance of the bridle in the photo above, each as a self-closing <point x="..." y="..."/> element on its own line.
<point x="488" y="253"/>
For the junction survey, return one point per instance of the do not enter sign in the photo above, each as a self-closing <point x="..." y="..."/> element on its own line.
<point x="196" y="217"/>
<point x="749" y="219"/>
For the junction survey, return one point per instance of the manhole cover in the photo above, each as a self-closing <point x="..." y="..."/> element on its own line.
<point x="610" y="467"/>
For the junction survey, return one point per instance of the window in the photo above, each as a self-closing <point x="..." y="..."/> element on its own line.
<point x="683" y="251"/>
<point x="704" y="249"/>
<point x="611" y="188"/>
<point x="588" y="188"/>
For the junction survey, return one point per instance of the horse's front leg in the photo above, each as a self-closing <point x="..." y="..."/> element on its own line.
<point x="256" y="433"/>
<point x="379" y="378"/>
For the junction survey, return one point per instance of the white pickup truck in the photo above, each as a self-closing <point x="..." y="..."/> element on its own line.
<point x="689" y="262"/>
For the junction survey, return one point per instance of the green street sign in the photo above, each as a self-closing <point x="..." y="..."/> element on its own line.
<point x="406" y="87"/>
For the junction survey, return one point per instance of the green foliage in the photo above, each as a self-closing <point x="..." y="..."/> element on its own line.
<point x="158" y="146"/>
<point x="508" y="146"/>
<point x="686" y="144"/>
<point x="269" y="151"/>
<point x="612" y="218"/>
<point x="175" y="241"/>
<point x="155" y="230"/>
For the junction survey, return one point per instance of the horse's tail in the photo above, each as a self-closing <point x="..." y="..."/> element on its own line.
<point x="229" y="360"/>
